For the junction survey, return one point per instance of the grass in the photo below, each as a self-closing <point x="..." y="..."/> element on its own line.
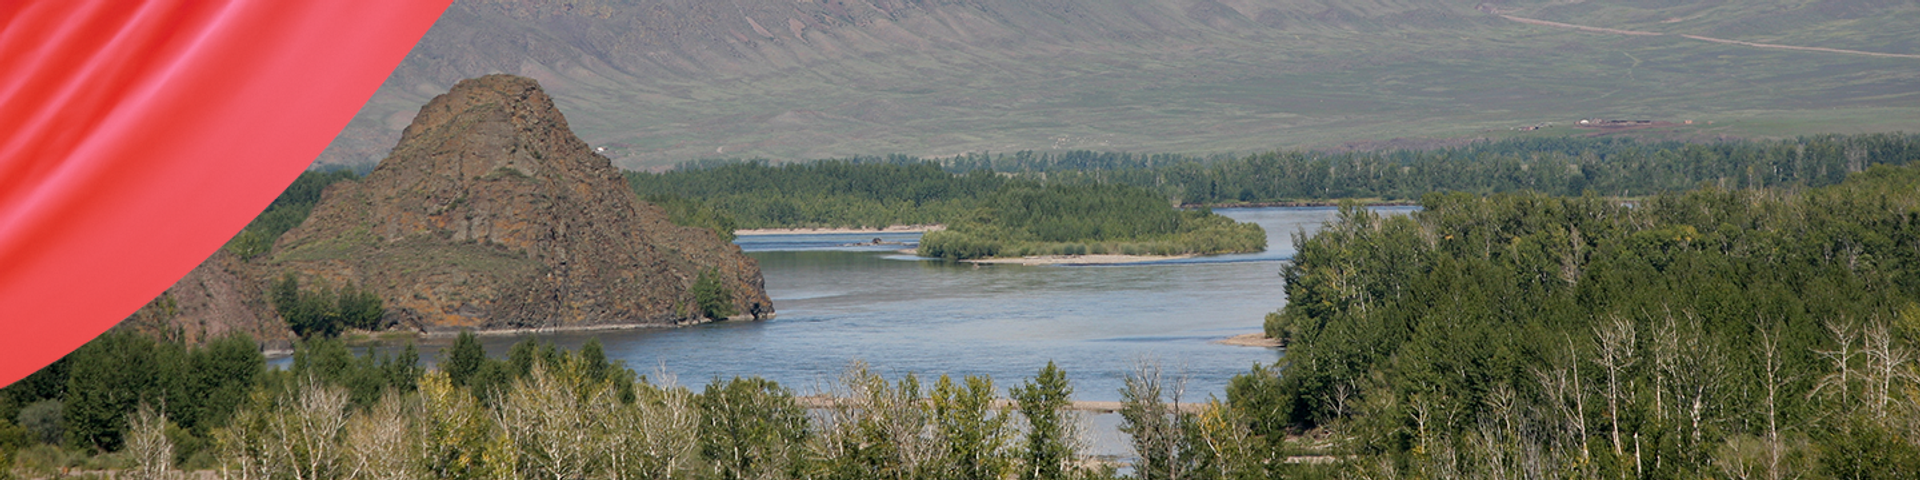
<point x="1307" y="87"/>
<point x="334" y="248"/>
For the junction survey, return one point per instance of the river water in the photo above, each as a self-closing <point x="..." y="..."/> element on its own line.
<point x="898" y="313"/>
<point x="839" y="303"/>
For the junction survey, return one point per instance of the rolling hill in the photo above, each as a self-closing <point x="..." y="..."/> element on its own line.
<point x="655" y="82"/>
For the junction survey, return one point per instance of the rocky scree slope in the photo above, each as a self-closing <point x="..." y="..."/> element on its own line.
<point x="222" y="296"/>
<point x="490" y="214"/>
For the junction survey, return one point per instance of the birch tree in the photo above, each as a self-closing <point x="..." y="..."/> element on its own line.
<point x="147" y="445"/>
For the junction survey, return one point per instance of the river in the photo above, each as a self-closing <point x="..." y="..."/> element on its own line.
<point x="898" y="313"/>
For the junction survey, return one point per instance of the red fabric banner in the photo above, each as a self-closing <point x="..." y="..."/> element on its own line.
<point x="136" y="137"/>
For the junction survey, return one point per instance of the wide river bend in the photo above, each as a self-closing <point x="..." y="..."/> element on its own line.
<point x="899" y="314"/>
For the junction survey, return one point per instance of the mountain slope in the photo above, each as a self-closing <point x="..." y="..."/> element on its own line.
<point x="490" y="214"/>
<point x="662" y="81"/>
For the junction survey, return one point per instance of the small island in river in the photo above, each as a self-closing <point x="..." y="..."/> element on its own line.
<point x="1087" y="224"/>
<point x="1102" y="259"/>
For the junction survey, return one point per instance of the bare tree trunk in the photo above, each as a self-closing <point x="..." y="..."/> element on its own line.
<point x="1579" y="404"/>
<point x="1154" y="426"/>
<point x="307" y="436"/>
<point x="1567" y="399"/>
<point x="244" y="444"/>
<point x="545" y="417"/>
<point x="380" y="444"/>
<point x="1616" y="356"/>
<point x="1886" y="364"/>
<point x="1694" y="370"/>
<point x="653" y="437"/>
<point x="871" y="413"/>
<point x="1842" y="358"/>
<point x="1666" y="352"/>
<point x="1770" y="358"/>
<point x="147" y="444"/>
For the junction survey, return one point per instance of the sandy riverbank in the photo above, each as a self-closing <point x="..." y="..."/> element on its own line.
<point x="823" y="401"/>
<point x="819" y="231"/>
<point x="1078" y="259"/>
<point x="1065" y="259"/>
<point x="1250" y="340"/>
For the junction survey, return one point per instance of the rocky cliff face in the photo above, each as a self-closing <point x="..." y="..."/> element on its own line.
<point x="216" y="299"/>
<point x="491" y="214"/>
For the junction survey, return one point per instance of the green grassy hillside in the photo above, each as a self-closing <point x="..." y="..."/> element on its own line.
<point x="661" y="81"/>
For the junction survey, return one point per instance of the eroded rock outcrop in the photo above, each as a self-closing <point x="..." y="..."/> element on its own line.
<point x="491" y="214"/>
<point x="218" y="298"/>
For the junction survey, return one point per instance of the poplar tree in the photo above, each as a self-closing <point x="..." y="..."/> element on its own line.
<point x="1049" y="442"/>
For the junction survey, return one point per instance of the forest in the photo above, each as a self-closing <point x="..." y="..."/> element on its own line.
<point x="1023" y="219"/>
<point x="987" y="214"/>
<point x="831" y="193"/>
<point x="287" y="211"/>
<point x="898" y="189"/>
<point x="1711" y="333"/>
<point x="138" y="408"/>
<point x="1755" y="327"/>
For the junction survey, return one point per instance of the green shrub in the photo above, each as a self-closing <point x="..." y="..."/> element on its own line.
<point x="44" y="461"/>
<point x="45" y="421"/>
<point x="1863" y="449"/>
<point x="751" y="428"/>
<point x="323" y="310"/>
<point x="714" y="298"/>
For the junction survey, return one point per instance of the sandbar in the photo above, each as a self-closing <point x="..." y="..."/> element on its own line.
<point x="819" y="231"/>
<point x="824" y="401"/>
<point x="1250" y="340"/>
<point x="1078" y="259"/>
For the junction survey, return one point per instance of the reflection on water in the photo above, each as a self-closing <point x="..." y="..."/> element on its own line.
<point x="900" y="314"/>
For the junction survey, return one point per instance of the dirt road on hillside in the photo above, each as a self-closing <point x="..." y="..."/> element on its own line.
<point x="1616" y="31"/>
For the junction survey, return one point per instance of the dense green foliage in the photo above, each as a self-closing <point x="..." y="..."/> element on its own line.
<point x="684" y="212"/>
<point x="287" y="211"/>
<point x="1154" y="428"/>
<point x="83" y="399"/>
<point x="988" y="214"/>
<point x="538" y="413"/>
<point x="465" y="360"/>
<point x="1047" y="448"/>
<point x="1023" y="219"/>
<point x="976" y="433"/>
<point x="324" y="311"/>
<point x="1757" y="333"/>
<point x="1695" y="334"/>
<point x="1562" y="166"/>
<point x="365" y="378"/>
<point x="891" y="190"/>
<point x="751" y="428"/>
<point x="825" y="193"/>
<point x="714" y="299"/>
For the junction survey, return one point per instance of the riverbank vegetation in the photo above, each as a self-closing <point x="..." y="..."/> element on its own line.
<point x="825" y="193"/>
<point x="987" y="214"/>
<point x="1571" y="166"/>
<point x="1714" y="333"/>
<point x="900" y="190"/>
<point x="1024" y="219"/>
<point x="287" y="211"/>
<point x="545" y="413"/>
<point x="323" y="310"/>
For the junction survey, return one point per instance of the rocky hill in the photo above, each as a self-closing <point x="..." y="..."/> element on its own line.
<point x="220" y="297"/>
<point x="489" y="215"/>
